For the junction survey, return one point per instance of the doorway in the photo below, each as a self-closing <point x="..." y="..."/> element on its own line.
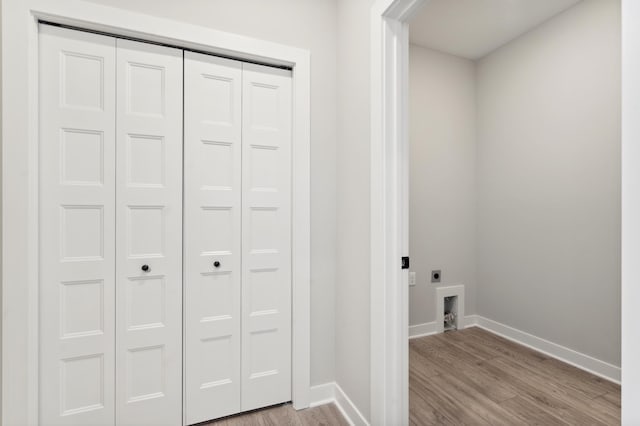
<point x="389" y="218"/>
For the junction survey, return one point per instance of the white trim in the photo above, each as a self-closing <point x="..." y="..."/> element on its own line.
<point x="19" y="176"/>
<point x="389" y="210"/>
<point x="422" y="330"/>
<point x="470" y="321"/>
<point x="332" y="393"/>
<point x="349" y="409"/>
<point x="430" y="328"/>
<point x="322" y="394"/>
<point x="562" y="353"/>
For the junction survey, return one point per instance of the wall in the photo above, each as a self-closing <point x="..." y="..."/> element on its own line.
<point x="549" y="181"/>
<point x="1" y="209"/>
<point x="352" y="286"/>
<point x="630" y="211"/>
<point x="308" y="24"/>
<point x="442" y="194"/>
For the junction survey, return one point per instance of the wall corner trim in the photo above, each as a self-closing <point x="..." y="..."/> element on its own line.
<point x="328" y="393"/>
<point x="429" y="328"/>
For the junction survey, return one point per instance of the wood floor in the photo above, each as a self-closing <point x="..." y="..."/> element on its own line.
<point x="285" y="415"/>
<point x="473" y="377"/>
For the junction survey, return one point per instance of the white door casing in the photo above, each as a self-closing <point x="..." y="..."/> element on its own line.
<point x="149" y="232"/>
<point x="213" y="163"/>
<point x="77" y="217"/>
<point x="266" y="236"/>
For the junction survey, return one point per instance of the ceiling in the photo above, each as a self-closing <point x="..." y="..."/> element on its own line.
<point x="474" y="28"/>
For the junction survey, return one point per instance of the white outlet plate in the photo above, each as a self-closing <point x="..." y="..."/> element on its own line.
<point x="412" y="278"/>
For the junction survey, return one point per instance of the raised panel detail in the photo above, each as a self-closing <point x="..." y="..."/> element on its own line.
<point x="146" y="231"/>
<point x="264" y="354"/>
<point x="145" y="373"/>
<point x="146" y="303"/>
<point x="216" y="229"/>
<point x="85" y="92"/>
<point x="82" y="232"/>
<point x="82" y="308"/>
<point x="146" y="161"/>
<point x="217" y="99"/>
<point x="217" y="295"/>
<point x="216" y="373"/>
<point x="264" y="228"/>
<point x="264" y="106"/>
<point x="82" y="157"/>
<point x="81" y="384"/>
<point x="265" y="288"/>
<point x="212" y="225"/>
<point x="218" y="158"/>
<point x="264" y="167"/>
<point x="146" y="88"/>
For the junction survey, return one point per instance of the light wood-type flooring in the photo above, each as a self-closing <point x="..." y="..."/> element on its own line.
<point x="285" y="415"/>
<point x="473" y="377"/>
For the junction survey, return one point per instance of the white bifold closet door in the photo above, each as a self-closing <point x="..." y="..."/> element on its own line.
<point x="148" y="234"/>
<point x="110" y="202"/>
<point x="266" y="236"/>
<point x="238" y="237"/>
<point x="213" y="192"/>
<point x="77" y="227"/>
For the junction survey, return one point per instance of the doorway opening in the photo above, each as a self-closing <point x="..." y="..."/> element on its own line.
<point x="494" y="184"/>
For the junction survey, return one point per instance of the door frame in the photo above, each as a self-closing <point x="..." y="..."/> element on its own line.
<point x="389" y="209"/>
<point x="20" y="261"/>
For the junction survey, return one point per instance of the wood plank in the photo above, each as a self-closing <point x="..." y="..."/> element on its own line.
<point x="548" y="395"/>
<point x="285" y="414"/>
<point x="472" y="376"/>
<point x="529" y="413"/>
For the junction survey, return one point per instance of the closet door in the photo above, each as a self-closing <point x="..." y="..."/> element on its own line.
<point x="77" y="235"/>
<point x="149" y="235"/>
<point x="212" y="233"/>
<point x="266" y="236"/>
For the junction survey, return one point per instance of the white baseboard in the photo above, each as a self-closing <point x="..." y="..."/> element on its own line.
<point x="422" y="330"/>
<point x="332" y="393"/>
<point x="322" y="394"/>
<point x="429" y="328"/>
<point x="577" y="359"/>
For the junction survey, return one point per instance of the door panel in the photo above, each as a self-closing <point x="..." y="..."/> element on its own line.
<point x="266" y="236"/>
<point x="77" y="234"/>
<point x="149" y="234"/>
<point x="212" y="232"/>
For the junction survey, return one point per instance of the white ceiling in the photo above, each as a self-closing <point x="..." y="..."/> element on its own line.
<point x="474" y="28"/>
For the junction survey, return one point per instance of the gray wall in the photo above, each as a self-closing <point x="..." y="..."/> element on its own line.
<point x="352" y="286"/>
<point x="1" y="207"/>
<point x="549" y="181"/>
<point x="309" y="24"/>
<point x="442" y="194"/>
<point x="630" y="212"/>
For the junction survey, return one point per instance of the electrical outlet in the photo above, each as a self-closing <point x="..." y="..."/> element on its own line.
<point x="412" y="278"/>
<point x="436" y="276"/>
